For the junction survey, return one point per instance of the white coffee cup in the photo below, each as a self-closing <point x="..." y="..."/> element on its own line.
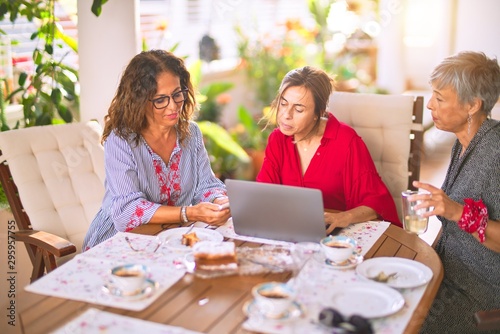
<point x="273" y="299"/>
<point x="338" y="248"/>
<point x="129" y="279"/>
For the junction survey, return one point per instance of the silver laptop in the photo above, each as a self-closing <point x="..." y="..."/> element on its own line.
<point x="275" y="211"/>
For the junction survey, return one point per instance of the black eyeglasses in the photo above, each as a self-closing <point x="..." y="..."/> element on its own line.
<point x="164" y="100"/>
<point x="354" y="324"/>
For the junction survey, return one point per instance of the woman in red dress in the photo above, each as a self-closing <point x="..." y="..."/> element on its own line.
<point x="311" y="148"/>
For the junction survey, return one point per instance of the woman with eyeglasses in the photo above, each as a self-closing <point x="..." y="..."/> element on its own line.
<point x="157" y="168"/>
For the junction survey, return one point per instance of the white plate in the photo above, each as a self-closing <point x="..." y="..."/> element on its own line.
<point x="370" y="300"/>
<point x="173" y="237"/>
<point x="409" y="273"/>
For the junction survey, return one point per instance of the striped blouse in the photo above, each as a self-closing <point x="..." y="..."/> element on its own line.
<point x="138" y="181"/>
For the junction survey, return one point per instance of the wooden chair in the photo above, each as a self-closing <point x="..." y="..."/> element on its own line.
<point x="391" y="127"/>
<point x="53" y="177"/>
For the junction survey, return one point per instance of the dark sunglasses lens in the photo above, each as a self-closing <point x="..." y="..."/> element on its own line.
<point x="330" y="317"/>
<point x="362" y="325"/>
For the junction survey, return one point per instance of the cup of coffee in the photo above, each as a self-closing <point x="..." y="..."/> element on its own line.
<point x="129" y="278"/>
<point x="413" y="221"/>
<point x="273" y="299"/>
<point x="338" y="248"/>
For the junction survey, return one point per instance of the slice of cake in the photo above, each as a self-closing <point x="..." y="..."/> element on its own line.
<point x="190" y="239"/>
<point x="213" y="255"/>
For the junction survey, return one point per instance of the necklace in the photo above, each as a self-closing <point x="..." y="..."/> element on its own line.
<point x="304" y="148"/>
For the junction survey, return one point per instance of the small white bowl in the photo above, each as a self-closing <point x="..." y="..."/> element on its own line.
<point x="338" y="248"/>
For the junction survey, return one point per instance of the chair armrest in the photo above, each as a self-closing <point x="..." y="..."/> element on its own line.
<point x="49" y="242"/>
<point x="487" y="320"/>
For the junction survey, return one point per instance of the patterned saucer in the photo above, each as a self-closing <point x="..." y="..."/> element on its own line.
<point x="350" y="263"/>
<point x="149" y="288"/>
<point x="296" y="310"/>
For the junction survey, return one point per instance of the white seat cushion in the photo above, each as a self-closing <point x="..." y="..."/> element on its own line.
<point x="59" y="173"/>
<point x="384" y="122"/>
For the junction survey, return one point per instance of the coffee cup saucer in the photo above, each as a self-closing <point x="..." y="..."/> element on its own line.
<point x="147" y="290"/>
<point x="350" y="263"/>
<point x="296" y="310"/>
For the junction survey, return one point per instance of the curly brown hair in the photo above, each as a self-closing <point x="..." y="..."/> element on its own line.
<point x="138" y="85"/>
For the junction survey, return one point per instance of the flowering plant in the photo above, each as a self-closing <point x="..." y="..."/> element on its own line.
<point x="268" y="58"/>
<point x="250" y="132"/>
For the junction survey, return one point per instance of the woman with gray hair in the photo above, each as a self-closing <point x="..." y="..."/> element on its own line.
<point x="465" y="87"/>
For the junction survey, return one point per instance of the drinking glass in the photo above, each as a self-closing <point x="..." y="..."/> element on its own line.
<point x="413" y="220"/>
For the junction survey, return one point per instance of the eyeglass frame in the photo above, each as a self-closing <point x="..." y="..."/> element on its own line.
<point x="170" y="98"/>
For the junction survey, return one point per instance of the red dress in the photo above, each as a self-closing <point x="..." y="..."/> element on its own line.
<point x="341" y="168"/>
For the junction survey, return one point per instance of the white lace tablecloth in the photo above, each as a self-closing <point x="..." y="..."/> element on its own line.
<point x="364" y="233"/>
<point x="84" y="277"/>
<point x="315" y="283"/>
<point x="94" y="321"/>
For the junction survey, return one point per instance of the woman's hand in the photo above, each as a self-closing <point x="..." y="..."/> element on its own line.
<point x="209" y="213"/>
<point x="437" y="198"/>
<point x="337" y="219"/>
<point x="345" y="218"/>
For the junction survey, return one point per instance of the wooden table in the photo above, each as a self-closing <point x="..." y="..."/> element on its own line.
<point x="224" y="296"/>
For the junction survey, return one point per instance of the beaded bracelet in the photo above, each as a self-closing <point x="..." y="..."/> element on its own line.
<point x="474" y="218"/>
<point x="184" y="216"/>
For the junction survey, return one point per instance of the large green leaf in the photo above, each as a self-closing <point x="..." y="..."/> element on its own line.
<point x="195" y="72"/>
<point x="212" y="90"/>
<point x="246" y="119"/>
<point x="223" y="139"/>
<point x="70" y="41"/>
<point x="97" y="6"/>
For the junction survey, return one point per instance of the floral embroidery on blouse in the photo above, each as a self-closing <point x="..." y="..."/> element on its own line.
<point x="136" y="219"/>
<point x="213" y="192"/>
<point x="169" y="184"/>
<point x="173" y="179"/>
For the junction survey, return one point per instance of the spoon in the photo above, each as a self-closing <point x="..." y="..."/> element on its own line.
<point x="383" y="277"/>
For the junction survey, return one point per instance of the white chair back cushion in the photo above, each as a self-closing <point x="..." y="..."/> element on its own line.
<point x="59" y="173"/>
<point x="384" y="122"/>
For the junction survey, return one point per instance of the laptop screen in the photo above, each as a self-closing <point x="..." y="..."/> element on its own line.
<point x="275" y="211"/>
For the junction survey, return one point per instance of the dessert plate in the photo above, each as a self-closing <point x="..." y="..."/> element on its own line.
<point x="408" y="273"/>
<point x="296" y="310"/>
<point x="149" y="288"/>
<point x="173" y="237"/>
<point x="370" y="300"/>
<point x="352" y="262"/>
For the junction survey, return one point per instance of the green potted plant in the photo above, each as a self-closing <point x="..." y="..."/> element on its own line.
<point x="227" y="157"/>
<point x="50" y="94"/>
<point x="252" y="134"/>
